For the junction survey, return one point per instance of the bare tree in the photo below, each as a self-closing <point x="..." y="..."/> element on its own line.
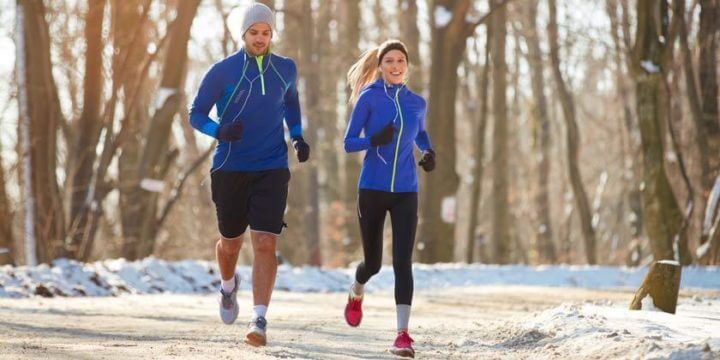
<point x="410" y="34"/>
<point x="500" y="202"/>
<point x="544" y="234"/>
<point x="349" y="34"/>
<point x="156" y="155"/>
<point x="7" y="239"/>
<point x="662" y="214"/>
<point x="573" y="139"/>
<point x="87" y="130"/>
<point x="40" y="109"/>
<point x="450" y="30"/>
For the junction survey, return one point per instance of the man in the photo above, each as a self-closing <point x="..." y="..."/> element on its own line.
<point x="253" y="90"/>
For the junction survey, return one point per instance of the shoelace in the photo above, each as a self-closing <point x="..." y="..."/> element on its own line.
<point x="227" y="301"/>
<point x="405" y="338"/>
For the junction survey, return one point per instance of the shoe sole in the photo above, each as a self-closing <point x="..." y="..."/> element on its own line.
<point x="255" y="339"/>
<point x="404" y="352"/>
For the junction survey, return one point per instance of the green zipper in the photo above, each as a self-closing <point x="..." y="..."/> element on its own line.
<point x="259" y="60"/>
<point x="397" y="146"/>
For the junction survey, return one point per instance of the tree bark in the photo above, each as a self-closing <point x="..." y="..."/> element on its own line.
<point x="501" y="239"/>
<point x="544" y="234"/>
<point x="573" y="139"/>
<point x="349" y="11"/>
<point x="87" y="130"/>
<point x="410" y="35"/>
<point x="435" y="236"/>
<point x="7" y="238"/>
<point x="662" y="215"/>
<point x="44" y="116"/>
<point x="662" y="283"/>
<point x="707" y="64"/>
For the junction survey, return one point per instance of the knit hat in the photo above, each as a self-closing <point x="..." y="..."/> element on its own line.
<point x="257" y="13"/>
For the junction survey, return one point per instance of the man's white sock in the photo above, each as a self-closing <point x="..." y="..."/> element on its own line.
<point x="259" y="310"/>
<point x="228" y="285"/>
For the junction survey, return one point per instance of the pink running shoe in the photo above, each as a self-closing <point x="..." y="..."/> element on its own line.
<point x="353" y="310"/>
<point x="403" y="345"/>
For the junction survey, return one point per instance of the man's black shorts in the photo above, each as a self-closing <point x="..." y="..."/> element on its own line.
<point x="256" y="198"/>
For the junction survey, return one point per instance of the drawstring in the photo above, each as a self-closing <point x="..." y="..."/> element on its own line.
<point x="397" y="112"/>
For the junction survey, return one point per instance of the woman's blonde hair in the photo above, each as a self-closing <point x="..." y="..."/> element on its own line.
<point x="364" y="71"/>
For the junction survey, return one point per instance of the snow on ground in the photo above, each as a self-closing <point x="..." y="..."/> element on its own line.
<point x="150" y="276"/>
<point x="512" y="311"/>
<point x="589" y="329"/>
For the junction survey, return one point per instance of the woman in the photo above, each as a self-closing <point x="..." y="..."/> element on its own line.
<point x="391" y="118"/>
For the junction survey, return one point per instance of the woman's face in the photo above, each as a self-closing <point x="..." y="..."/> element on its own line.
<point x="257" y="38"/>
<point x="394" y="67"/>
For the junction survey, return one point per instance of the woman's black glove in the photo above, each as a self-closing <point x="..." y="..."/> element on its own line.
<point x="428" y="160"/>
<point x="384" y="136"/>
<point x="302" y="149"/>
<point x="230" y="131"/>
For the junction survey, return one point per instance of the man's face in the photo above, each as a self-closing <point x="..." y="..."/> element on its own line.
<point x="257" y="38"/>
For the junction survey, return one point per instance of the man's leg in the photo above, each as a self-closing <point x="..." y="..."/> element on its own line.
<point x="264" y="266"/>
<point x="227" y="251"/>
<point x="263" y="280"/>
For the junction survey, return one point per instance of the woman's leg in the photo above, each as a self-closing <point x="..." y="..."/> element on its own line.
<point x="371" y="215"/>
<point x="404" y="223"/>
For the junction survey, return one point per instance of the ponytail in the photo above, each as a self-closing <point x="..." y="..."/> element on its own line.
<point x="362" y="73"/>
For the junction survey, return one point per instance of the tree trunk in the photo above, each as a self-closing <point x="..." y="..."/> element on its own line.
<point x="435" y="236"/>
<point x="308" y="61"/>
<point x="328" y="140"/>
<point x="87" y="132"/>
<point x="573" y="139"/>
<point x="7" y="239"/>
<point x="472" y="247"/>
<point x="349" y="11"/>
<point x="44" y="116"/>
<point x="662" y="283"/>
<point x="544" y="234"/>
<point x="156" y="154"/>
<point x="662" y="216"/>
<point x="410" y="35"/>
<point x="707" y="42"/>
<point x="709" y="127"/>
<point x="501" y="238"/>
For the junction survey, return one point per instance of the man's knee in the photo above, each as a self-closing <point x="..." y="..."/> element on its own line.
<point x="231" y="245"/>
<point x="264" y="242"/>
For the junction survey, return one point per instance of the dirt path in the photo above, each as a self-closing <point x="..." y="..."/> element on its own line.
<point x="457" y="323"/>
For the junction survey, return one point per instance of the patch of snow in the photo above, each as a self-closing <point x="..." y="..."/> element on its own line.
<point x="149" y="276"/>
<point x="442" y="16"/>
<point x="650" y="66"/>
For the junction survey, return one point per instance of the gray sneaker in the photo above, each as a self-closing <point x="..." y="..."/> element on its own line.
<point x="228" y="303"/>
<point x="256" y="332"/>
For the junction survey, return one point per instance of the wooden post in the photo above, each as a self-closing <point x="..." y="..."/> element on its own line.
<point x="662" y="283"/>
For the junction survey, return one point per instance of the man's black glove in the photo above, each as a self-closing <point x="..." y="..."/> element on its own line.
<point x="384" y="136"/>
<point x="428" y="160"/>
<point x="302" y="149"/>
<point x="230" y="131"/>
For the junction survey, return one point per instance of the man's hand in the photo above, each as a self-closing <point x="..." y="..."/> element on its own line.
<point x="230" y="132"/>
<point x="302" y="149"/>
<point x="428" y="160"/>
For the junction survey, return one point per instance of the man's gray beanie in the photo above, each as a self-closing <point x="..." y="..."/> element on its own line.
<point x="257" y="13"/>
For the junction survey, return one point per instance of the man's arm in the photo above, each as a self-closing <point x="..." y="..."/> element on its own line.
<point x="208" y="94"/>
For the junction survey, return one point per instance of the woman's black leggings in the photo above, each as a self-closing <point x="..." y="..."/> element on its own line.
<point x="372" y="206"/>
